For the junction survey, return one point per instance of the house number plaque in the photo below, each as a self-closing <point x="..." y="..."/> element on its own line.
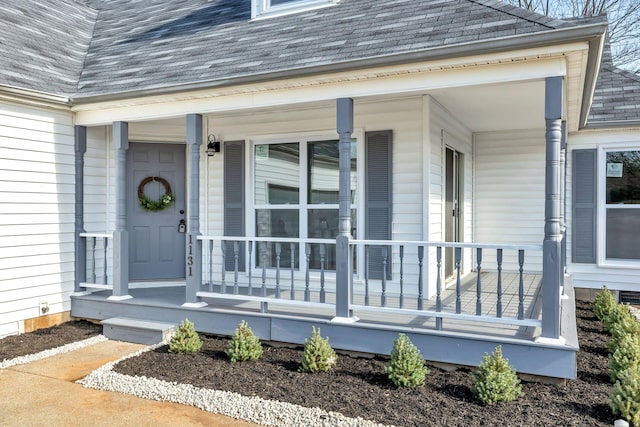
<point x="190" y="256"/>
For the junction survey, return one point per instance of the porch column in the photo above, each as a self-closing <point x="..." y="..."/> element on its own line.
<point x="552" y="262"/>
<point x="563" y="202"/>
<point x="194" y="246"/>
<point x="344" y="259"/>
<point x="120" y="234"/>
<point x="80" y="244"/>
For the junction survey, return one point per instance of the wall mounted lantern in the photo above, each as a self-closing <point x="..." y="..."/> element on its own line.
<point x="213" y="145"/>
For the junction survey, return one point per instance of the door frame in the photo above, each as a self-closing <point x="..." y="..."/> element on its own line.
<point x="181" y="207"/>
<point x="453" y="186"/>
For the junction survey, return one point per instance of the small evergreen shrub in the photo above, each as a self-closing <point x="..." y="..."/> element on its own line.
<point x="603" y="303"/>
<point x="625" y="324"/>
<point x="494" y="380"/>
<point x="406" y="367"/>
<point x="318" y="354"/>
<point x="625" y="396"/>
<point x="626" y="354"/>
<point x="615" y="316"/>
<point x="244" y="345"/>
<point x="185" y="339"/>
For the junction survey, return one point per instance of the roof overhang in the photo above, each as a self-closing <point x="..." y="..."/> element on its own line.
<point x="592" y="33"/>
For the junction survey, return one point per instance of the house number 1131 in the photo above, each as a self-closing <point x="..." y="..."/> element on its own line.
<point x="190" y="256"/>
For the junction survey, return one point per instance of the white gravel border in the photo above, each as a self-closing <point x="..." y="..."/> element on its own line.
<point x="21" y="360"/>
<point x="254" y="409"/>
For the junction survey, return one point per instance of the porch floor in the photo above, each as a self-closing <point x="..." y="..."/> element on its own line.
<point x="172" y="294"/>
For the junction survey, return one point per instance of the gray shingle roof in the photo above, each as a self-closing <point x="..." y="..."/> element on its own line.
<point x="43" y="44"/>
<point x="617" y="96"/>
<point x="146" y="44"/>
<point x="84" y="48"/>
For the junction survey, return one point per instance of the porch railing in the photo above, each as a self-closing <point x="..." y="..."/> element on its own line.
<point x="430" y="255"/>
<point x="297" y="272"/>
<point x="265" y="269"/>
<point x="97" y="260"/>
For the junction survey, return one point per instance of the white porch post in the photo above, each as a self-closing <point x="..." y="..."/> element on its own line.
<point x="120" y="234"/>
<point x="344" y="266"/>
<point x="80" y="243"/>
<point x="552" y="252"/>
<point x="194" y="246"/>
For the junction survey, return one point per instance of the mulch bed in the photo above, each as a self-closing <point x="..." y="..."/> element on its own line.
<point x="44" y="339"/>
<point x="359" y="387"/>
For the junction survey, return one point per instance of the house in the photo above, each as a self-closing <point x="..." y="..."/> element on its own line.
<point x="447" y="169"/>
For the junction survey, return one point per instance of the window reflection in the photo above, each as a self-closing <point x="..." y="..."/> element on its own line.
<point x="623" y="177"/>
<point x="324" y="172"/>
<point x="277" y="173"/>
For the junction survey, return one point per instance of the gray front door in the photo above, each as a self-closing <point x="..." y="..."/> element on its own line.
<point x="156" y="245"/>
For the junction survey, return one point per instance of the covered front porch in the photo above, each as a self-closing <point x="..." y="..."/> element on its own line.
<point x="397" y="252"/>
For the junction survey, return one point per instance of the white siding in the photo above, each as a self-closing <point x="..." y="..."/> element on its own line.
<point x="509" y="193"/>
<point x="37" y="179"/>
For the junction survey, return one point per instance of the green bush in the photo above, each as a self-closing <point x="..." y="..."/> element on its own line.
<point x="244" y="345"/>
<point x="626" y="354"/>
<point x="625" y="396"/>
<point x="603" y="303"/>
<point x="318" y="354"/>
<point x="624" y="324"/>
<point x="494" y="380"/>
<point x="406" y="367"/>
<point x="616" y="313"/>
<point x="185" y="339"/>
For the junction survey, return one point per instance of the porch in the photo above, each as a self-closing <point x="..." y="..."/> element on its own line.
<point x="468" y="315"/>
<point x="267" y="263"/>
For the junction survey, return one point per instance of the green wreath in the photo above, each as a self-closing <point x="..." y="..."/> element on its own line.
<point x="165" y="200"/>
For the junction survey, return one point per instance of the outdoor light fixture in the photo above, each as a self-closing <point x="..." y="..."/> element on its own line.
<point x="213" y="145"/>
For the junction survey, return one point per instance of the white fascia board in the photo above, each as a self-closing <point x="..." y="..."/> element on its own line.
<point x="33" y="98"/>
<point x="412" y="78"/>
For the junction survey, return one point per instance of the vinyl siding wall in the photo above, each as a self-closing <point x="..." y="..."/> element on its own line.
<point x="37" y="185"/>
<point x="509" y="193"/>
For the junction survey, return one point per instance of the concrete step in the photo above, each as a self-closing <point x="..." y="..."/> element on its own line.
<point x="137" y="330"/>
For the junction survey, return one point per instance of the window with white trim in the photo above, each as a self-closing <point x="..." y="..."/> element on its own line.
<point x="295" y="195"/>
<point x="622" y="204"/>
<point x="264" y="8"/>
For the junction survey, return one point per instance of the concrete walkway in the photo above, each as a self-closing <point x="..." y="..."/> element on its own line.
<point x="44" y="393"/>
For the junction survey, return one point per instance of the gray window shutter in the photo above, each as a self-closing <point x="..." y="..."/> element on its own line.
<point x="234" y="204"/>
<point x="378" y="198"/>
<point x="584" y="206"/>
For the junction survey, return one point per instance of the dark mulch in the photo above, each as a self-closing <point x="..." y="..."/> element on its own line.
<point x="44" y="339"/>
<point x="359" y="387"/>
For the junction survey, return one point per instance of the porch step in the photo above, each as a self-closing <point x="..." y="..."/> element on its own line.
<point x="136" y="330"/>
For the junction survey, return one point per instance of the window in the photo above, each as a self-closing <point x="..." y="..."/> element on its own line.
<point x="296" y="187"/>
<point x="264" y="8"/>
<point x="622" y="206"/>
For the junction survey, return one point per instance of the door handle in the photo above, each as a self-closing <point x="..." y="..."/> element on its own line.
<point x="182" y="226"/>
